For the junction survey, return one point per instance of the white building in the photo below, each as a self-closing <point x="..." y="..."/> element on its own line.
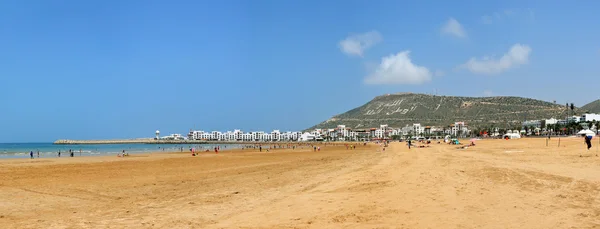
<point x="551" y="121"/>
<point x="383" y="132"/>
<point x="342" y="132"/>
<point x="173" y="137"/>
<point x="309" y="137"/>
<point x="459" y="128"/>
<point x="590" y="117"/>
<point x="238" y="135"/>
<point x="418" y="130"/>
<point x="317" y="132"/>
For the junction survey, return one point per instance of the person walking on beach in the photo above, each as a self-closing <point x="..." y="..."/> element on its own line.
<point x="58" y="153"/>
<point x="588" y="141"/>
<point x="409" y="143"/>
<point x="31" y="154"/>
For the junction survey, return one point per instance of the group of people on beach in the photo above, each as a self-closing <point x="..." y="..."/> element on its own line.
<point x="268" y="147"/>
<point x="71" y="153"/>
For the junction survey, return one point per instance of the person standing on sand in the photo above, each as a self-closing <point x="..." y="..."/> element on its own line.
<point x="31" y="154"/>
<point x="58" y="153"/>
<point x="409" y="142"/>
<point x="588" y="141"/>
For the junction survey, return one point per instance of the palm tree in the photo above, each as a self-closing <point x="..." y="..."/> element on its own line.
<point x="567" y="106"/>
<point x="572" y="107"/>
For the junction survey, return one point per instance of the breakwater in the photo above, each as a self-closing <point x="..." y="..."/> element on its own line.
<point x="154" y="141"/>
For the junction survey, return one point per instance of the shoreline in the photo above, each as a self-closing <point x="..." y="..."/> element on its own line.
<point x="154" y="155"/>
<point x="200" y="148"/>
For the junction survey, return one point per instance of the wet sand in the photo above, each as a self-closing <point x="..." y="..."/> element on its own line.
<point x="496" y="184"/>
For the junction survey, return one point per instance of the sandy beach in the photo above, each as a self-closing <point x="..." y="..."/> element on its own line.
<point x="518" y="183"/>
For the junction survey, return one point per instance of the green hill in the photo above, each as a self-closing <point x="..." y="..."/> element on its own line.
<point x="593" y="107"/>
<point x="398" y="110"/>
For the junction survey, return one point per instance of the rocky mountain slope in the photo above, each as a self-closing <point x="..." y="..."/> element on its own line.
<point x="398" y="110"/>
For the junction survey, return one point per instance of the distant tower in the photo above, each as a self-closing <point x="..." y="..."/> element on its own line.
<point x="157" y="135"/>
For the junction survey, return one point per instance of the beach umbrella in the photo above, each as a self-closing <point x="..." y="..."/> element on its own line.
<point x="587" y="133"/>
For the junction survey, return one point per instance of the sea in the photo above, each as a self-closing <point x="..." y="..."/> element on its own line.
<point x="21" y="150"/>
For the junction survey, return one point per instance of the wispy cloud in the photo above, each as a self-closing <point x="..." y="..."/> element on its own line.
<point x="398" y="69"/>
<point x="356" y="45"/>
<point x="517" y="55"/>
<point x="453" y="28"/>
<point x="503" y="15"/>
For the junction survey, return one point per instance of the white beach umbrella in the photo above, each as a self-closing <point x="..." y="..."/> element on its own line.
<point x="587" y="132"/>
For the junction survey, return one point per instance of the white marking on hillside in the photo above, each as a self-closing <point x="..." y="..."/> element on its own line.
<point x="395" y="103"/>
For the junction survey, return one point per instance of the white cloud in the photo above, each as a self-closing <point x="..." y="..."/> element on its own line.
<point x="488" y="93"/>
<point x="517" y="55"/>
<point x="398" y="69"/>
<point x="454" y="28"/>
<point x="439" y="73"/>
<point x="356" y="45"/>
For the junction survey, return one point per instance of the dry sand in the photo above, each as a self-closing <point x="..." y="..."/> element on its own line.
<point x="496" y="184"/>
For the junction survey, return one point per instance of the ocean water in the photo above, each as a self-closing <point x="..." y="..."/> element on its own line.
<point x="21" y="150"/>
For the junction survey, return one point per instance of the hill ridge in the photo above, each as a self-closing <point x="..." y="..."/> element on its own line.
<point x="405" y="108"/>
<point x="593" y="107"/>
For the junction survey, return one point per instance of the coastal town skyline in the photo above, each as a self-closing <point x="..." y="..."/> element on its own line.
<point x="343" y="133"/>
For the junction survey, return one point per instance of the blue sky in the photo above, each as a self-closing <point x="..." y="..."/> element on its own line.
<point x="121" y="69"/>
